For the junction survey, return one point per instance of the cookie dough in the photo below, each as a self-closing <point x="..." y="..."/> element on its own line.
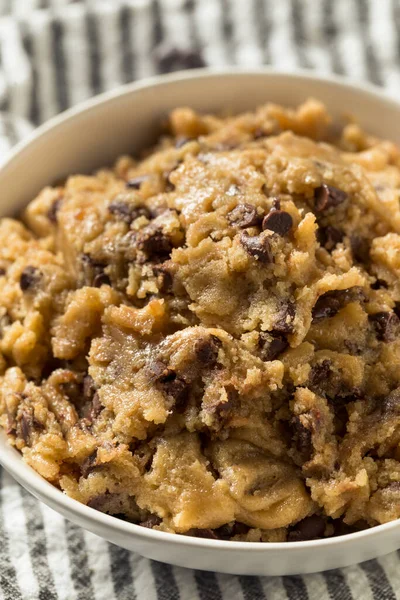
<point x="205" y="340"/>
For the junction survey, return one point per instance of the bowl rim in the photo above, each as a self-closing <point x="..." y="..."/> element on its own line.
<point x="12" y="460"/>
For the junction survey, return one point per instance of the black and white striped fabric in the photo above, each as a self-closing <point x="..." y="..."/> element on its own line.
<point x="55" y="53"/>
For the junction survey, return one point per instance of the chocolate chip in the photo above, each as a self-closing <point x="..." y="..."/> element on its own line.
<point x="319" y="374"/>
<point x="72" y="389"/>
<point x="164" y="277"/>
<point x="95" y="409"/>
<point x="379" y="284"/>
<point x="310" y="528"/>
<point x="89" y="387"/>
<point x="327" y="196"/>
<point x="391" y="404"/>
<point x="331" y="302"/>
<point x="169" y="382"/>
<point x="206" y="350"/>
<point x="126" y="212"/>
<point x="89" y="464"/>
<point x="228" y="531"/>
<point x="278" y="221"/>
<point x="100" y="502"/>
<point x="204" y="533"/>
<point x="329" y="237"/>
<point x="92" y="268"/>
<point x="396" y="309"/>
<point x="385" y="324"/>
<point x="271" y="345"/>
<point x="360" y="249"/>
<point x="328" y="383"/>
<point x="169" y="186"/>
<point x="224" y="410"/>
<point x="243" y="216"/>
<point x="136" y="182"/>
<point x="153" y="243"/>
<point x="151" y="521"/>
<point x="53" y="210"/>
<point x="285" y="318"/>
<point x="302" y="436"/>
<point x="27" y="423"/>
<point x="2" y="271"/>
<point x="90" y="410"/>
<point x="29" y="279"/>
<point x="257" y="246"/>
<point x="101" y="279"/>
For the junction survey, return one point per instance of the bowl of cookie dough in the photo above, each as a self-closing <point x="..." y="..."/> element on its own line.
<point x="200" y="319"/>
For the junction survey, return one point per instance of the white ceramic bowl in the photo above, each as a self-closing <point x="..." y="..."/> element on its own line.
<point x="92" y="135"/>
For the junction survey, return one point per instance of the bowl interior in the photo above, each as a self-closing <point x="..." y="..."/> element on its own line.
<point x="93" y="135"/>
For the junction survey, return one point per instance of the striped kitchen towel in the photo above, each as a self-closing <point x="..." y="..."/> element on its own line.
<point x="55" y="53"/>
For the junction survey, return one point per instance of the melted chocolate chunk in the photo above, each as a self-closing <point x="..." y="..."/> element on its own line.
<point x="359" y="249"/>
<point x="29" y="279"/>
<point x="151" y="521"/>
<point x="278" y="221"/>
<point x="53" y="210"/>
<point x="224" y="410"/>
<point x="89" y="464"/>
<point x="271" y="345"/>
<point x="328" y="383"/>
<point x="310" y="528"/>
<point x="228" y="531"/>
<point x="302" y="436"/>
<point x="99" y="502"/>
<point x="258" y="247"/>
<point x="136" y="182"/>
<point x="379" y="284"/>
<point x="90" y="410"/>
<point x="329" y="237"/>
<point x="153" y="243"/>
<point x="206" y="350"/>
<point x="243" y="216"/>
<point x="386" y="325"/>
<point x="95" y="408"/>
<point x="164" y="277"/>
<point x="327" y="196"/>
<point x="319" y="374"/>
<point x="286" y="315"/>
<point x="27" y="424"/>
<point x="204" y="533"/>
<point x="93" y="271"/>
<point x="123" y="211"/>
<point x="331" y="302"/>
<point x="169" y="382"/>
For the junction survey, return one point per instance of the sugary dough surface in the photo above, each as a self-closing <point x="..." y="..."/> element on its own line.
<point x="205" y="340"/>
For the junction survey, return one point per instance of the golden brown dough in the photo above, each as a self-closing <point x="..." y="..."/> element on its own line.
<point x="205" y="340"/>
